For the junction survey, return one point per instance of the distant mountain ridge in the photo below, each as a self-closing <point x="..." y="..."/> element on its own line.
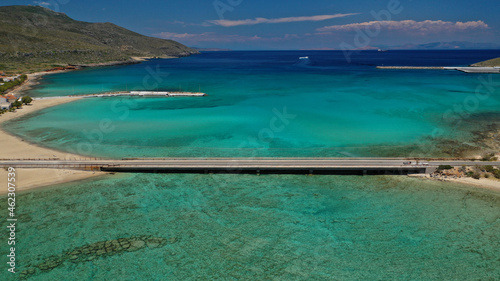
<point x="39" y="37"/>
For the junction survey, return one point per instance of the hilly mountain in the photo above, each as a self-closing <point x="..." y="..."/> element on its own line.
<point x="34" y="38"/>
<point x="489" y="63"/>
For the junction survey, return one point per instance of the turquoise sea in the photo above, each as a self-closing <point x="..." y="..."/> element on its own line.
<point x="274" y="227"/>
<point x="269" y="227"/>
<point x="273" y="104"/>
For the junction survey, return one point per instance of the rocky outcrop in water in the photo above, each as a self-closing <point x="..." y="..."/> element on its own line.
<point x="97" y="250"/>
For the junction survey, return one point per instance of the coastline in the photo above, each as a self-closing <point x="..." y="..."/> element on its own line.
<point x="29" y="179"/>
<point x="18" y="148"/>
<point x="480" y="183"/>
<point x="132" y="60"/>
<point x="35" y="76"/>
<point x="31" y="81"/>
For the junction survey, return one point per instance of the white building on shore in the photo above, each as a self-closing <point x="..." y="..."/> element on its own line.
<point x="9" y="78"/>
<point x="3" y="102"/>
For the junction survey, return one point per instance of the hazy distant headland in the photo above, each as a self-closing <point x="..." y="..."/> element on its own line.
<point x="488" y="63"/>
<point x="34" y="38"/>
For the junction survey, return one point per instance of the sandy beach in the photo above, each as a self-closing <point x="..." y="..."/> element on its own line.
<point x="31" y="81"/>
<point x="491" y="184"/>
<point x="483" y="183"/>
<point x="37" y="178"/>
<point x="18" y="148"/>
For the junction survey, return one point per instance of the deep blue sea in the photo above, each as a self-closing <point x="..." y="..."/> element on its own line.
<point x="268" y="227"/>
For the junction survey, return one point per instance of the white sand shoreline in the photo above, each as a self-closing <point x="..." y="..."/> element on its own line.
<point x="31" y="81"/>
<point x="17" y="148"/>
<point x="480" y="183"/>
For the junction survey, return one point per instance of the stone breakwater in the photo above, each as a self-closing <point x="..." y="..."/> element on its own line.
<point x="467" y="69"/>
<point x="410" y="67"/>
<point x="96" y="250"/>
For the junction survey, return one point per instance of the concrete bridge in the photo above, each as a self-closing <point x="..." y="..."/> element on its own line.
<point x="359" y="166"/>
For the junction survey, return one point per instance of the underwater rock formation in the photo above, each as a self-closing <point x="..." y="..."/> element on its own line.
<point x="96" y="250"/>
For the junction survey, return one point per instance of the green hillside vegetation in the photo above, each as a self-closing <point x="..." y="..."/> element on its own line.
<point x="35" y="38"/>
<point x="12" y="84"/>
<point x="488" y="63"/>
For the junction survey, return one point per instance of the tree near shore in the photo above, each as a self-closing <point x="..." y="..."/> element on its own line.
<point x="26" y="100"/>
<point x="17" y="104"/>
<point x="12" y="84"/>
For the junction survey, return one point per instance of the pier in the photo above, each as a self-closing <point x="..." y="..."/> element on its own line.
<point x="132" y="94"/>
<point x="411" y="67"/>
<point x="342" y="166"/>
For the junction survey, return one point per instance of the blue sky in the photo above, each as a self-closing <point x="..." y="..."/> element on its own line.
<point x="293" y="24"/>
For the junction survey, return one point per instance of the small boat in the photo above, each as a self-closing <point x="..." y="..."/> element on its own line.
<point x="303" y="58"/>
<point x="381" y="50"/>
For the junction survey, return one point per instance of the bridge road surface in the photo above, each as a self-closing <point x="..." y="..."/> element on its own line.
<point x="242" y="164"/>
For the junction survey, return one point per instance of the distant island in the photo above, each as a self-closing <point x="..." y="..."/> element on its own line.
<point x="34" y="38"/>
<point x="488" y="63"/>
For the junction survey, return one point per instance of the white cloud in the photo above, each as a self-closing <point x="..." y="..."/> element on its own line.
<point x="423" y="27"/>
<point x="190" y="24"/>
<point x="173" y="35"/>
<point x="206" y="37"/>
<point x="230" y="23"/>
<point x="42" y="3"/>
<point x="194" y="38"/>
